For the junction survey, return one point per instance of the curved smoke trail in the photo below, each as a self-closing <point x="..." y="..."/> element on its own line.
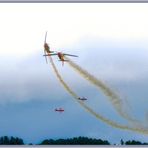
<point x="98" y="116"/>
<point x="112" y="96"/>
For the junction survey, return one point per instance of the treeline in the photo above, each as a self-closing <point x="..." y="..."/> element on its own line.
<point x="5" y="140"/>
<point x="132" y="142"/>
<point x="75" y="141"/>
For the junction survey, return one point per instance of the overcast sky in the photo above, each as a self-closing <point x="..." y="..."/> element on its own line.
<point x="111" y="41"/>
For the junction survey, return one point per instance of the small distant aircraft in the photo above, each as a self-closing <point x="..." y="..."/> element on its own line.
<point x="83" y="99"/>
<point x="47" y="50"/>
<point x="61" y="56"/>
<point x="59" y="110"/>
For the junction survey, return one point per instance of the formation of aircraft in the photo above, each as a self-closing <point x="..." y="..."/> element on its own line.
<point x="60" y="55"/>
<point x="59" y="110"/>
<point x="83" y="99"/>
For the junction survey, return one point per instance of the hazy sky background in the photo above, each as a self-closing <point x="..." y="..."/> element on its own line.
<point x="111" y="41"/>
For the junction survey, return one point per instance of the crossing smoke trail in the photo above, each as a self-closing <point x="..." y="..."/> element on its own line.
<point x="113" y="97"/>
<point x="91" y="111"/>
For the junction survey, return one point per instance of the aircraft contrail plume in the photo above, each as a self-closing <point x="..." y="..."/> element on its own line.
<point x="113" y="97"/>
<point x="61" y="80"/>
<point x="98" y="116"/>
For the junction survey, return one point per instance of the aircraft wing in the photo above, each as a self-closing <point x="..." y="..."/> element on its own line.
<point x="70" y="55"/>
<point x="53" y="54"/>
<point x="50" y="54"/>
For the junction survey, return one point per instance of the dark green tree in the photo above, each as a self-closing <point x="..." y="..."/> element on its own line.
<point x="133" y="142"/>
<point x="5" y="140"/>
<point x="75" y="141"/>
<point x="121" y="142"/>
<point x="45" y="142"/>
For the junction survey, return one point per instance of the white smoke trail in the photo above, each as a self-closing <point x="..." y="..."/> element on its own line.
<point x="112" y="96"/>
<point x="98" y="116"/>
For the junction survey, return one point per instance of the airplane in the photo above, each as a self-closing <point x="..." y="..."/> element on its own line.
<point x="61" y="56"/>
<point x="47" y="50"/>
<point x="83" y="99"/>
<point x="59" y="110"/>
